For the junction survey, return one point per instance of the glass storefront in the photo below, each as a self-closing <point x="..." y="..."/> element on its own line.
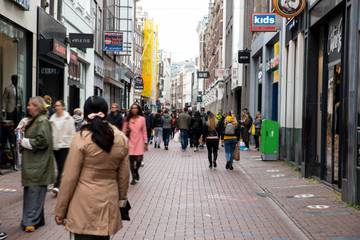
<point x="14" y="75"/>
<point x="13" y="64"/>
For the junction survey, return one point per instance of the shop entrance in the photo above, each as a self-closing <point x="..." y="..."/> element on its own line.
<point x="332" y="126"/>
<point x="74" y="98"/>
<point x="51" y="80"/>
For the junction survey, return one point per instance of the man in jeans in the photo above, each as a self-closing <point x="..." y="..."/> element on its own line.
<point x="183" y="123"/>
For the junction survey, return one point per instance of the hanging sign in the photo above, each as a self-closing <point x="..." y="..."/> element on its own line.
<point x="264" y="22"/>
<point x="113" y="41"/>
<point x="244" y="56"/>
<point x="289" y="8"/>
<point x="203" y="74"/>
<point x="24" y="4"/>
<point x="81" y="40"/>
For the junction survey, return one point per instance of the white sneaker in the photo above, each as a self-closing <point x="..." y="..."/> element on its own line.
<point x="142" y="164"/>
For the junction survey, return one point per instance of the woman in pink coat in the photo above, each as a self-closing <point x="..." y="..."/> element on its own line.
<point x="135" y="129"/>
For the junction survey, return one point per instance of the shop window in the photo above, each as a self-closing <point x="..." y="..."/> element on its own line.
<point x="13" y="62"/>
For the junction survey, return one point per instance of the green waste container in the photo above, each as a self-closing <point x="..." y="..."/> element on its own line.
<point x="269" y="147"/>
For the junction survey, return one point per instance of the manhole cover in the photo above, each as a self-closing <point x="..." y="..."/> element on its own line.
<point x="278" y="175"/>
<point x="318" y="206"/>
<point x="304" y="196"/>
<point x="273" y="171"/>
<point x="7" y="190"/>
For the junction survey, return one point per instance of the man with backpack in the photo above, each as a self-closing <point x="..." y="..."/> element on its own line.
<point x="231" y="137"/>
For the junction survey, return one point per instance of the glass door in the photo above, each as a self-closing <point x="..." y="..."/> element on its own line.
<point x="333" y="125"/>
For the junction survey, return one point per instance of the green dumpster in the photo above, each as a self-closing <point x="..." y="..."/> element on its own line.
<point x="269" y="147"/>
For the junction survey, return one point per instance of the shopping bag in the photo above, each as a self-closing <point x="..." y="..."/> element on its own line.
<point x="177" y="137"/>
<point x="253" y="130"/>
<point x="236" y="154"/>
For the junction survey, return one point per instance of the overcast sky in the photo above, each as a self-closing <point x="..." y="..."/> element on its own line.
<point x="177" y="20"/>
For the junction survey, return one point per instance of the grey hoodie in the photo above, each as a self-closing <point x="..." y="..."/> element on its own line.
<point x="167" y="121"/>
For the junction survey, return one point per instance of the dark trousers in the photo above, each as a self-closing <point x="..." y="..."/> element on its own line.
<point x="149" y="134"/>
<point x="184" y="136"/>
<point x="245" y="136"/>
<point x="212" y="147"/>
<point x="257" y="141"/>
<point x="87" y="237"/>
<point x="33" y="206"/>
<point x="196" y="138"/>
<point x="135" y="163"/>
<point x="60" y="157"/>
<point x="166" y="136"/>
<point x="173" y="132"/>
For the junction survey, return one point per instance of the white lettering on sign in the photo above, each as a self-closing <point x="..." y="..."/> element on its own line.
<point x="335" y="37"/>
<point x="318" y="207"/>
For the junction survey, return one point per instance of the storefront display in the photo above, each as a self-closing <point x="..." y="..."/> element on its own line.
<point x="13" y="87"/>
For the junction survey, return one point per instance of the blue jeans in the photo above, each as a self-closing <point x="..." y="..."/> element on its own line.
<point x="158" y="132"/>
<point x="230" y="145"/>
<point x="184" y="136"/>
<point x="166" y="136"/>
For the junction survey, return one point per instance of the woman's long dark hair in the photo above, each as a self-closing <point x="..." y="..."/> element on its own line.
<point x="131" y="115"/>
<point x="102" y="133"/>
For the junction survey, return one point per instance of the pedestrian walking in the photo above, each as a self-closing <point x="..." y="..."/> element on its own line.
<point x="49" y="105"/>
<point x="167" y="128"/>
<point x="173" y="124"/>
<point x="63" y="130"/>
<point x="135" y="130"/>
<point x="196" y="127"/>
<point x="230" y="137"/>
<point x="78" y="119"/>
<point x="257" y="123"/>
<point x="96" y="177"/>
<point x="38" y="168"/>
<point x="245" y="125"/>
<point x="149" y="123"/>
<point x="158" y="129"/>
<point x="183" y="124"/>
<point x="115" y="116"/>
<point x="212" y="133"/>
<point x="204" y="117"/>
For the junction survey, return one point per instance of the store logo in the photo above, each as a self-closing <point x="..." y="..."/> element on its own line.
<point x="264" y="22"/>
<point x="335" y="38"/>
<point x="289" y="8"/>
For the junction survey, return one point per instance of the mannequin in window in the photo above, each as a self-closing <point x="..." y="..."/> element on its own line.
<point x="12" y="100"/>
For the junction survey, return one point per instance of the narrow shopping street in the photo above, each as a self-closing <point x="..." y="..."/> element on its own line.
<point x="179" y="197"/>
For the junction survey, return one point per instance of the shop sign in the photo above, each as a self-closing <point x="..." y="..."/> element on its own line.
<point x="243" y="56"/>
<point x="113" y="41"/>
<point x="335" y="39"/>
<point x="24" y="4"/>
<point x="81" y="40"/>
<point x="138" y="83"/>
<point x="59" y="49"/>
<point x="289" y="8"/>
<point x="99" y="66"/>
<point x="73" y="57"/>
<point x="264" y="22"/>
<point x="49" y="71"/>
<point x="199" y="99"/>
<point x="203" y="74"/>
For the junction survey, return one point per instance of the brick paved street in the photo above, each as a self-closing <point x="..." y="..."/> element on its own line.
<point x="178" y="197"/>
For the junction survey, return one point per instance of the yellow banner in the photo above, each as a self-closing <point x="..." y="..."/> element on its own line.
<point x="147" y="58"/>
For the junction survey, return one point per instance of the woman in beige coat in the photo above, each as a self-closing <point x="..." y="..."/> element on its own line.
<point x="95" y="178"/>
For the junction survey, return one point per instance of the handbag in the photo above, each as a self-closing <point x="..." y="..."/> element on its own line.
<point x="177" y="137"/>
<point x="253" y="130"/>
<point x="124" y="211"/>
<point x="236" y="155"/>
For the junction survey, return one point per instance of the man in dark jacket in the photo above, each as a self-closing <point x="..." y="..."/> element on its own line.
<point x="115" y="117"/>
<point x="149" y="123"/>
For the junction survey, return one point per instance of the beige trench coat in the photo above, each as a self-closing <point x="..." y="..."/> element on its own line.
<point x="93" y="183"/>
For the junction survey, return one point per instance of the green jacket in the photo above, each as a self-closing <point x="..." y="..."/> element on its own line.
<point x="184" y="121"/>
<point x="38" y="164"/>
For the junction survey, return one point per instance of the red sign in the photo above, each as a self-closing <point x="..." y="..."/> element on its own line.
<point x="73" y="57"/>
<point x="59" y="49"/>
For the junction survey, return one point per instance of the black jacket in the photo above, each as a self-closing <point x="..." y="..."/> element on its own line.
<point x="196" y="124"/>
<point x="115" y="119"/>
<point x="158" y="121"/>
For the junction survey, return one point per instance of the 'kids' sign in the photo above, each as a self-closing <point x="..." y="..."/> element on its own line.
<point x="264" y="22"/>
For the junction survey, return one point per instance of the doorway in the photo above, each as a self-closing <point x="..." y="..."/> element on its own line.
<point x="332" y="126"/>
<point x="51" y="80"/>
